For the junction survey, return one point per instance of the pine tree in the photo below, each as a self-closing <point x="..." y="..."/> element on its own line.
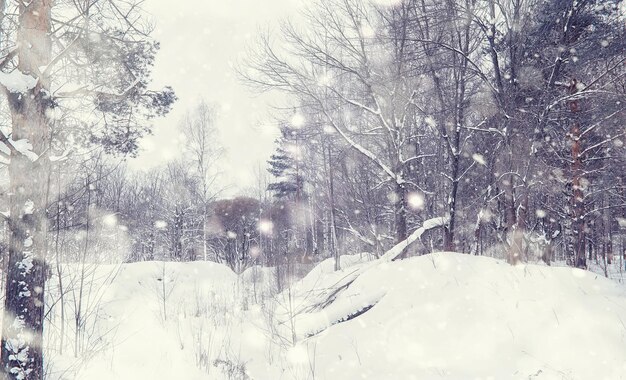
<point x="285" y="165"/>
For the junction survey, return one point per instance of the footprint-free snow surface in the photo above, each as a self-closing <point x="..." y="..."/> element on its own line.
<point x="439" y="316"/>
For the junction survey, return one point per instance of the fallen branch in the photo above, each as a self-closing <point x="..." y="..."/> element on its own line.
<point x="327" y="299"/>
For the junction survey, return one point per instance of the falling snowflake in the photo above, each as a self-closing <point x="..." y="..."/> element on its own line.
<point x="415" y="200"/>
<point x="266" y="226"/>
<point x="479" y="158"/>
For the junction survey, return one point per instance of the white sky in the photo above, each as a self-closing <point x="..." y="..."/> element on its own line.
<point x="200" y="40"/>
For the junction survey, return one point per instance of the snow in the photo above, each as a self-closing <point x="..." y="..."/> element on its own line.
<point x="110" y="220"/>
<point x="266" y="226"/>
<point x="17" y="82"/>
<point x="416" y="235"/>
<point x="27" y="263"/>
<point x="415" y="200"/>
<point x="29" y="207"/>
<point x="479" y="158"/>
<point x="298" y="120"/>
<point x="62" y="157"/>
<point x="387" y="3"/>
<point x="454" y="316"/>
<point x="438" y="316"/>
<point x="4" y="149"/>
<point x="138" y="341"/>
<point x="22" y="146"/>
<point x="160" y="224"/>
<point x="430" y="121"/>
<point x="25" y="148"/>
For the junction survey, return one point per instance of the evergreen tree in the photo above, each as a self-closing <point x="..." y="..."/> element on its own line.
<point x="285" y="165"/>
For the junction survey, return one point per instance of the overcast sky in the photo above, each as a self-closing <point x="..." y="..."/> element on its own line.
<point x="200" y="41"/>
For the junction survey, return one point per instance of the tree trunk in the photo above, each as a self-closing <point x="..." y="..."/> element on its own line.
<point x="578" y="206"/>
<point x="205" y="255"/>
<point x="333" y="226"/>
<point x="607" y="236"/>
<point x="22" y="330"/>
<point x="517" y="240"/>
<point x="514" y="253"/>
<point x="400" y="211"/>
<point x="448" y="230"/>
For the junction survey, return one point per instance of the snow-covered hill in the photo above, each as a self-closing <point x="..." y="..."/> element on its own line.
<point x="454" y="316"/>
<point x="439" y="316"/>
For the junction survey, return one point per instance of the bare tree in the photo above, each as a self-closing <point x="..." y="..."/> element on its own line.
<point x="203" y="151"/>
<point x="342" y="61"/>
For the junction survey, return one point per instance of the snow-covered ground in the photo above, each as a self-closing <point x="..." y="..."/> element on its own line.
<point x="439" y="316"/>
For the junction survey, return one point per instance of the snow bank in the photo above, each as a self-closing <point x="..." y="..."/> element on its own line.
<point x="324" y="271"/>
<point x="149" y="321"/>
<point x="453" y="316"/>
<point x="439" y="316"/>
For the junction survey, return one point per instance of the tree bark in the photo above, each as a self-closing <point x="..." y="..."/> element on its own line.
<point x="578" y="206"/>
<point x="22" y="330"/>
<point x="400" y="212"/>
<point x="333" y="225"/>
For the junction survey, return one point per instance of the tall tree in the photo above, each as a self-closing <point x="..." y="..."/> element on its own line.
<point x="28" y="92"/>
<point x="203" y="149"/>
<point x="340" y="69"/>
<point x="102" y="46"/>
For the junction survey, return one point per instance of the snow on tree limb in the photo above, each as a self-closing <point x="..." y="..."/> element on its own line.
<point x="399" y="248"/>
<point x="5" y="152"/>
<point x="17" y="82"/>
<point x="367" y="153"/>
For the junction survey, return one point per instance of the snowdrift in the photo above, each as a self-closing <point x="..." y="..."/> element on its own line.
<point x="453" y="316"/>
<point x="439" y="316"/>
<point x="148" y="321"/>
